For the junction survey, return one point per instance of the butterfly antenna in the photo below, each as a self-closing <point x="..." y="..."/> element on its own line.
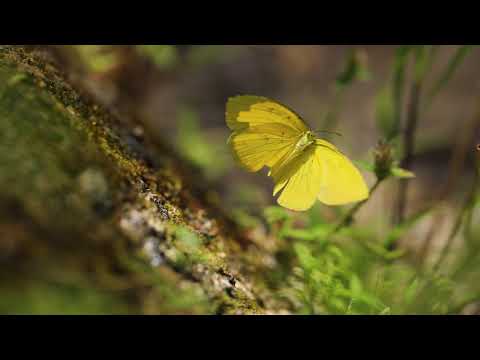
<point x="328" y="132"/>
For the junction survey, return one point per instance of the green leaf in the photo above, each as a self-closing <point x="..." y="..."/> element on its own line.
<point x="275" y="214"/>
<point x="355" y="69"/>
<point x="316" y="232"/>
<point x="380" y="251"/>
<point x="244" y="219"/>
<point x="385" y="311"/>
<point x="356" y="286"/>
<point x="395" y="171"/>
<point x="98" y="58"/>
<point x="423" y="60"/>
<point x="401" y="173"/>
<point x="411" y="291"/>
<point x="305" y="257"/>
<point x="448" y="72"/>
<point x="400" y="65"/>
<point x="389" y="100"/>
<point x="365" y="165"/>
<point x="164" y="56"/>
<point x="385" y="113"/>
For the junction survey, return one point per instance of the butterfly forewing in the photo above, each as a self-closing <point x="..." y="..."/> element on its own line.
<point x="264" y="131"/>
<point x="245" y="110"/>
<point x="262" y="145"/>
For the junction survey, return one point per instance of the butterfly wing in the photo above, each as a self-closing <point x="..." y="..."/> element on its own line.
<point x="262" y="145"/>
<point x="245" y="111"/>
<point x="264" y="130"/>
<point x="319" y="172"/>
<point x="300" y="180"/>
<point x="342" y="183"/>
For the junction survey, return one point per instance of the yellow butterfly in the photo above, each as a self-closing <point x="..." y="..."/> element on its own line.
<point x="303" y="167"/>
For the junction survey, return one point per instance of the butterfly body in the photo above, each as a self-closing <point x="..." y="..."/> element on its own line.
<point x="304" y="167"/>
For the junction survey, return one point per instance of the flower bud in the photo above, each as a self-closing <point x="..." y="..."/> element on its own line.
<point x="383" y="160"/>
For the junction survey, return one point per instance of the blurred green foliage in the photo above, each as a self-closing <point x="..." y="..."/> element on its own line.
<point x="355" y="70"/>
<point x="389" y="100"/>
<point x="98" y="58"/>
<point x="164" y="56"/>
<point x="199" y="148"/>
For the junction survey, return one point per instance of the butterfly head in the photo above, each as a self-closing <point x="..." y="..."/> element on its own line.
<point x="307" y="139"/>
<point x="310" y="135"/>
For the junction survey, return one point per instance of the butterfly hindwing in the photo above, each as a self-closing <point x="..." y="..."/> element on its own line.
<point x="299" y="181"/>
<point x="342" y="183"/>
<point x="319" y="172"/>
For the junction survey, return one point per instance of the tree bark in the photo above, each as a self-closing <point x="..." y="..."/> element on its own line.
<point x="91" y="191"/>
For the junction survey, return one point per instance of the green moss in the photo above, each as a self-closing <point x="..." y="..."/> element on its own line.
<point x="47" y="298"/>
<point x="41" y="154"/>
<point x="63" y="157"/>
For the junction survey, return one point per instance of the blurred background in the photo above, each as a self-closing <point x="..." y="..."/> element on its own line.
<point x="339" y="88"/>
<point x="420" y="102"/>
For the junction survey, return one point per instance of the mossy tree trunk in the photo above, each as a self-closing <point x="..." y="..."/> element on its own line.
<point x="108" y="208"/>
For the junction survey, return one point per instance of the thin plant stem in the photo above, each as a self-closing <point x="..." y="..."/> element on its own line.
<point x="467" y="205"/>
<point x="409" y="146"/>
<point x="450" y="69"/>
<point x="458" y="159"/>
<point x="423" y="60"/>
<point x="348" y="217"/>
<point x="399" y="86"/>
<point x="456" y="165"/>
<point x="473" y="249"/>
<point x="422" y="255"/>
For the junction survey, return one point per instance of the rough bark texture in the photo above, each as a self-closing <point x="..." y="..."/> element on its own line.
<point x="93" y="191"/>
